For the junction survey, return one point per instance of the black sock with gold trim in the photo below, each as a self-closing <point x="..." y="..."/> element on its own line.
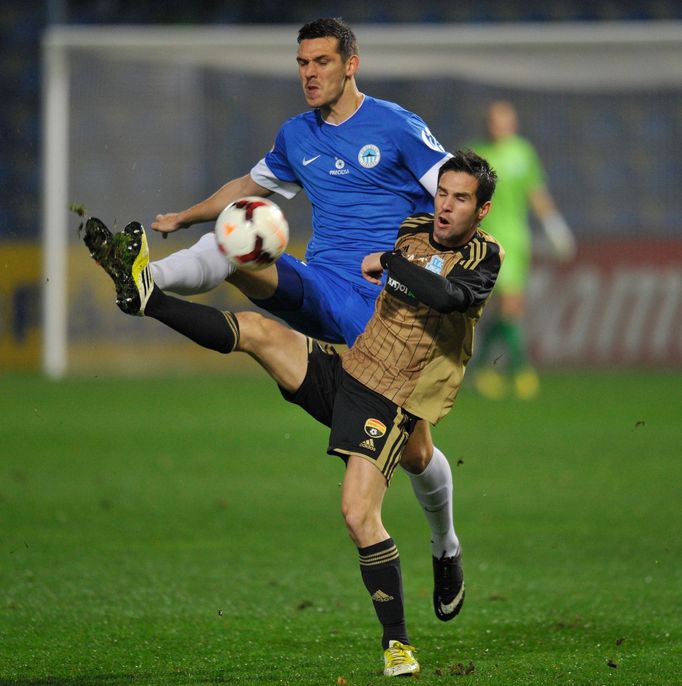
<point x="380" y="569"/>
<point x="205" y="325"/>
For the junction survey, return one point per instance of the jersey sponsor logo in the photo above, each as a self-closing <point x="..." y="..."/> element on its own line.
<point x="375" y="428"/>
<point x="431" y="140"/>
<point x="341" y="168"/>
<point x="395" y="285"/>
<point x="309" y="160"/>
<point x="435" y="264"/>
<point x="369" y="156"/>
<point x="400" y="292"/>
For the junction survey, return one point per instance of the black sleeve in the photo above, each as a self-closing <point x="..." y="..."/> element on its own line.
<point x="463" y="287"/>
<point x="442" y="294"/>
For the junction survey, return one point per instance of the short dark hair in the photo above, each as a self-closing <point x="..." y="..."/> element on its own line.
<point x="470" y="163"/>
<point x="331" y="28"/>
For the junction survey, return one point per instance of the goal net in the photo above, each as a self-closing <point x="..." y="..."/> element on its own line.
<point x="139" y="121"/>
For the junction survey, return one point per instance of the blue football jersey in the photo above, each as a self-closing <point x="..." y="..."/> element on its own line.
<point x="363" y="177"/>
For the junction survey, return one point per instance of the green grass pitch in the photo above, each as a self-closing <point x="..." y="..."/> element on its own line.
<point x="187" y="531"/>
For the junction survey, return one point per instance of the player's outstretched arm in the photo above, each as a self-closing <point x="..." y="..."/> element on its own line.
<point x="559" y="234"/>
<point x="209" y="209"/>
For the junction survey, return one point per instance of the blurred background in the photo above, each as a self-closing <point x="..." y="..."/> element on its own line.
<point x="146" y="107"/>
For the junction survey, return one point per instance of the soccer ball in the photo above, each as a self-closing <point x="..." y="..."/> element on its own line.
<point x="252" y="232"/>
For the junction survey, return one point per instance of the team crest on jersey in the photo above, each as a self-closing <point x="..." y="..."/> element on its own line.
<point x="431" y="140"/>
<point x="375" y="428"/>
<point x="369" y="156"/>
<point x="435" y="264"/>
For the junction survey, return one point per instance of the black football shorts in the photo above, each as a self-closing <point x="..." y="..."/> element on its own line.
<point x="362" y="422"/>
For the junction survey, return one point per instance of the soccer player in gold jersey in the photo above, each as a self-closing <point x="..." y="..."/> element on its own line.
<point x="407" y="365"/>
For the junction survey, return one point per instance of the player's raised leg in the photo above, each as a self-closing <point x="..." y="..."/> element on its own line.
<point x="431" y="479"/>
<point x="197" y="269"/>
<point x="281" y="351"/>
<point x="201" y="267"/>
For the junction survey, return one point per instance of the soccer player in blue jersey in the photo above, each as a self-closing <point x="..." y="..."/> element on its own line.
<point x="349" y="151"/>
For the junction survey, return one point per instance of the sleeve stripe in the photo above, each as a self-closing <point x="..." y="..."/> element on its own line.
<point x="415" y="223"/>
<point x="477" y="253"/>
<point x="262" y="175"/>
<point x="430" y="179"/>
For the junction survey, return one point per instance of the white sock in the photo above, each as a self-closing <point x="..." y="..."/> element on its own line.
<point x="196" y="269"/>
<point x="433" y="488"/>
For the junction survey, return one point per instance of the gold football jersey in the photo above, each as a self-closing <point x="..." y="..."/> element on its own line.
<point x="409" y="352"/>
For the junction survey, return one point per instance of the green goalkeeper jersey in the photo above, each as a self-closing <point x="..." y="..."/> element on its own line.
<point x="519" y="171"/>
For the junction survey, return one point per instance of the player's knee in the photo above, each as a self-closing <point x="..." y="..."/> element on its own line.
<point x="358" y="521"/>
<point x="254" y="331"/>
<point x="212" y="269"/>
<point x="259" y="285"/>
<point x="416" y="455"/>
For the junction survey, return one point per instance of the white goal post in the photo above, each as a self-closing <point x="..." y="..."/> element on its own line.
<point x="598" y="58"/>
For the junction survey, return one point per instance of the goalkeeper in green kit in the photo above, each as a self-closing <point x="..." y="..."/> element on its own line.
<point x="521" y="186"/>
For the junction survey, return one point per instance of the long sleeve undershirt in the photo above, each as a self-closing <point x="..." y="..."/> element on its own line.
<point x="433" y="290"/>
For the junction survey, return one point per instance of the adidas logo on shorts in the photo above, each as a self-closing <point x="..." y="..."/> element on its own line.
<point x="368" y="444"/>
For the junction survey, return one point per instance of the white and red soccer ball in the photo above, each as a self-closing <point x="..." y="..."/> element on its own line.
<point x="252" y="232"/>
